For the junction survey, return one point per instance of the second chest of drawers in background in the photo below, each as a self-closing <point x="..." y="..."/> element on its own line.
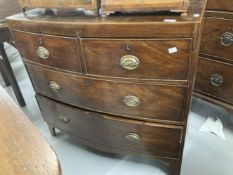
<point x="214" y="75"/>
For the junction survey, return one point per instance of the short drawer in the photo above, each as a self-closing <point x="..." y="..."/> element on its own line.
<point x="135" y="100"/>
<point x="115" y="133"/>
<point x="59" y="52"/>
<point x="215" y="79"/>
<point x="218" y="38"/>
<point x="221" y="5"/>
<point x="132" y="58"/>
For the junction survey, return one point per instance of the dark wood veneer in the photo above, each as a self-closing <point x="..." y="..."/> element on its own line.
<point x="156" y="139"/>
<point x="102" y="57"/>
<point x="208" y="68"/>
<point x="158" y="102"/>
<point x="149" y="26"/>
<point x="94" y="99"/>
<point x="63" y="51"/>
<point x="214" y="28"/>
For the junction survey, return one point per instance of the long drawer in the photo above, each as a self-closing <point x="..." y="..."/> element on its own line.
<point x="114" y="133"/>
<point x="222" y="5"/>
<point x="138" y="58"/>
<point x="54" y="51"/>
<point x="218" y="38"/>
<point x="214" y="78"/>
<point x="137" y="100"/>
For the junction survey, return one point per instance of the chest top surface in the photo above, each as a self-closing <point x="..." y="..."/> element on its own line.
<point x="195" y="13"/>
<point x="39" y="21"/>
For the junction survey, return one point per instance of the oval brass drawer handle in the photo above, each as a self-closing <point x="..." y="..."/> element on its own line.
<point x="132" y="137"/>
<point x="64" y="119"/>
<point x="226" y="39"/>
<point x="42" y="52"/>
<point x="131" y="101"/>
<point x="54" y="86"/>
<point x="130" y="62"/>
<point x="216" y="80"/>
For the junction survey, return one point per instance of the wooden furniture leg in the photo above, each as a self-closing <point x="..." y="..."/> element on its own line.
<point x="51" y="129"/>
<point x="175" y="167"/>
<point x="4" y="76"/>
<point x="5" y="65"/>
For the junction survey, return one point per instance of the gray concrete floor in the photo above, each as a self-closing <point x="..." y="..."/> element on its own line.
<point x="204" y="153"/>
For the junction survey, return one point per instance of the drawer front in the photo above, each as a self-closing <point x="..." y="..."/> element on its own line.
<point x="115" y="133"/>
<point x="52" y="51"/>
<point x="218" y="38"/>
<point x="121" y="98"/>
<point x="150" y="59"/>
<point x="222" y="5"/>
<point x="215" y="78"/>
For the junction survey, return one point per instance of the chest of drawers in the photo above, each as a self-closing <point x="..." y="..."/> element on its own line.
<point x="214" y="75"/>
<point x="121" y="84"/>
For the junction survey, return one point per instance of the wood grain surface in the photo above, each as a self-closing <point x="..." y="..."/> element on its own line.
<point x="96" y="99"/>
<point x="23" y="151"/>
<point x="208" y="68"/>
<point x="222" y="5"/>
<point x="63" y="52"/>
<point x="215" y="57"/>
<point x="158" y="102"/>
<point x="155" y="139"/>
<point x="134" y="26"/>
<point x="213" y="30"/>
<point x="157" y="61"/>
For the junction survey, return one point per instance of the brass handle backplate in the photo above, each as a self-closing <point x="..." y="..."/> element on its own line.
<point x="64" y="119"/>
<point x="216" y="80"/>
<point x="132" y="137"/>
<point x="42" y="52"/>
<point x="226" y="39"/>
<point x="131" y="101"/>
<point x="54" y="86"/>
<point x="130" y="62"/>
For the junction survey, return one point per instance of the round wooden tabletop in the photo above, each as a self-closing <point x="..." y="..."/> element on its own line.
<point x="22" y="149"/>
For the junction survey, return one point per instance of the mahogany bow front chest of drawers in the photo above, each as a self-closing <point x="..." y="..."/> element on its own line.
<point x="122" y="84"/>
<point x="215" y="70"/>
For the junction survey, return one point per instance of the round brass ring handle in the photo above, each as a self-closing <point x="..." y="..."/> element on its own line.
<point x="64" y="119"/>
<point x="216" y="80"/>
<point x="130" y="62"/>
<point x="131" y="101"/>
<point x="54" y="86"/>
<point x="42" y="52"/>
<point x="132" y="137"/>
<point x="226" y="39"/>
